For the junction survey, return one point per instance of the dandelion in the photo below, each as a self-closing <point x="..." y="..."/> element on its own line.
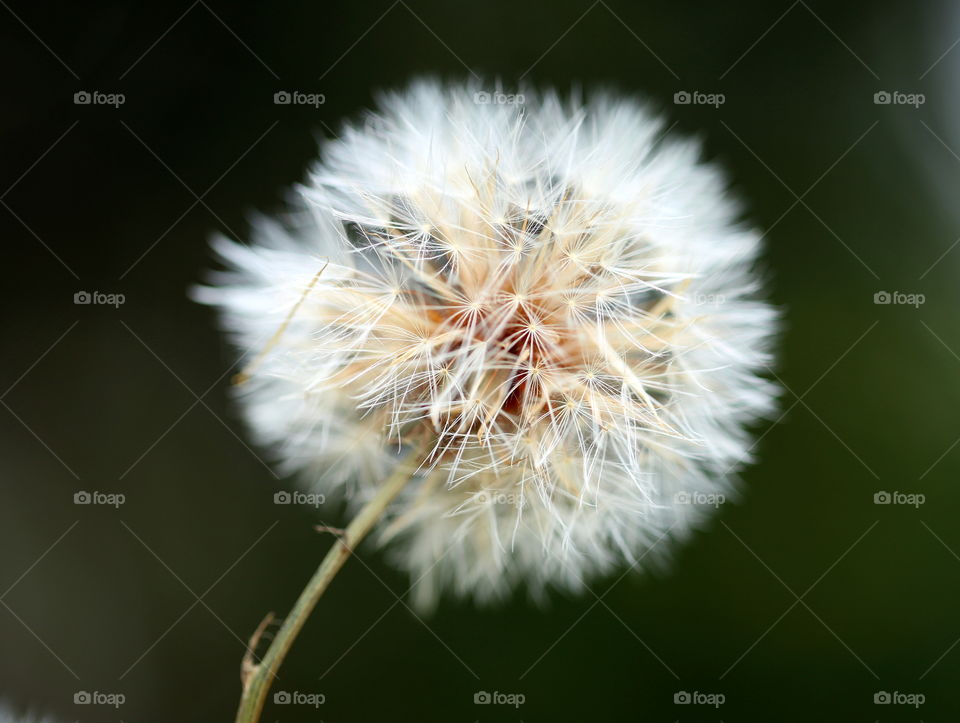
<point x="538" y="322"/>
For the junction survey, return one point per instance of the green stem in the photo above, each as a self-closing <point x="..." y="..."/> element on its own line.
<point x="258" y="678"/>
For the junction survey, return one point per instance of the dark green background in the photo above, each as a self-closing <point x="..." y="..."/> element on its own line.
<point x="879" y="389"/>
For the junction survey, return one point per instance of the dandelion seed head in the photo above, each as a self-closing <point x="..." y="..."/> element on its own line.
<point x="558" y="301"/>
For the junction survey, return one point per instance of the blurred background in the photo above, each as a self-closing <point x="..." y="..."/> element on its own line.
<point x="807" y="599"/>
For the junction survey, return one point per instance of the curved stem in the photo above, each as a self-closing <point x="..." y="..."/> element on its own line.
<point x="258" y="678"/>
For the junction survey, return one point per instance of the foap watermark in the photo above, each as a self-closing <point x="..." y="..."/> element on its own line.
<point x="98" y="298"/>
<point x="695" y="497"/>
<point x="95" y="97"/>
<point x="883" y="697"/>
<point x="495" y="497"/>
<point x="296" y="97"/>
<point x="696" y="97"/>
<point x="296" y="697"/>
<point x="108" y="499"/>
<point x="683" y="697"/>
<point x="709" y="299"/>
<point x="910" y="499"/>
<point x="314" y="499"/>
<point x="899" y="298"/>
<point x="896" y="97"/>
<point x="96" y="697"/>
<point x="482" y="697"/>
<point x="484" y="97"/>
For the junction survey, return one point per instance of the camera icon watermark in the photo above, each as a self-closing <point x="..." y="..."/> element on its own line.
<point x="899" y="298"/>
<point x="95" y="97"/>
<point x="696" y="97"/>
<point x="696" y="497"/>
<point x="97" y="298"/>
<point x="497" y="497"/>
<point x="883" y="697"/>
<point x="314" y="499"/>
<point x="296" y="97"/>
<point x="911" y="499"/>
<point x="485" y="97"/>
<point x="83" y="697"/>
<point x="683" y="697"/>
<point x="296" y="697"/>
<point x="896" y="97"/>
<point x="483" y="697"/>
<point x="709" y="299"/>
<point x="108" y="499"/>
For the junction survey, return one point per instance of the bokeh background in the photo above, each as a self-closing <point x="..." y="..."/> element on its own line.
<point x="802" y="601"/>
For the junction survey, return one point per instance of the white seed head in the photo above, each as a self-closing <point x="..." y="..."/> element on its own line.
<point x="559" y="302"/>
